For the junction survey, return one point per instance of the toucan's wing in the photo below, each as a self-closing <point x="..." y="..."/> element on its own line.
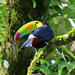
<point x="44" y="33"/>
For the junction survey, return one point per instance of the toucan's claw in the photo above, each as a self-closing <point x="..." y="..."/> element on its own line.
<point x="36" y="51"/>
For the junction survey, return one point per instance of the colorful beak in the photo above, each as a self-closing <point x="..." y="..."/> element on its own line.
<point x="16" y="37"/>
<point x="26" y="29"/>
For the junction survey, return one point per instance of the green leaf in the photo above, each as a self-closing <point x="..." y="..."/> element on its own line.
<point x="44" y="61"/>
<point x="59" y="1"/>
<point x="73" y="64"/>
<point x="29" y="15"/>
<point x="58" y="9"/>
<point x="68" y="25"/>
<point x="69" y="52"/>
<point x="60" y="67"/>
<point x="71" y="1"/>
<point x="44" y="69"/>
<point x="34" y="3"/>
<point x="68" y="65"/>
<point x="54" y="73"/>
<point x="68" y="11"/>
<point x="36" y="68"/>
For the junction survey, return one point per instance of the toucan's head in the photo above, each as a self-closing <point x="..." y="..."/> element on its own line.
<point x="27" y="28"/>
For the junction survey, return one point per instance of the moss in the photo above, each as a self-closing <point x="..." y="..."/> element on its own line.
<point x="3" y="71"/>
<point x="64" y="37"/>
<point x="34" y="62"/>
<point x="72" y="31"/>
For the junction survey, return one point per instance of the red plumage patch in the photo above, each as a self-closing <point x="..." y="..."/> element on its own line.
<point x="35" y="41"/>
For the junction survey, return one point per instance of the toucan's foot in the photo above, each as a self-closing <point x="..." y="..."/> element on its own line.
<point x="46" y="43"/>
<point x="36" y="51"/>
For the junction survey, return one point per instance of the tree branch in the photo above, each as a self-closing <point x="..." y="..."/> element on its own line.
<point x="58" y="41"/>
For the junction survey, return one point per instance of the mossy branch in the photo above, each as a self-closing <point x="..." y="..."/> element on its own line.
<point x="64" y="39"/>
<point x="34" y="62"/>
<point x="58" y="41"/>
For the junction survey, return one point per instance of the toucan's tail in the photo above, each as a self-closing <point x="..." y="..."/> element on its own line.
<point x="28" y="43"/>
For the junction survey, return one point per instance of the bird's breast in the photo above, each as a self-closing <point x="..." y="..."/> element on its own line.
<point x="35" y="41"/>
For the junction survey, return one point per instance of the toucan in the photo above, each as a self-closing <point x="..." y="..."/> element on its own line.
<point x="39" y="32"/>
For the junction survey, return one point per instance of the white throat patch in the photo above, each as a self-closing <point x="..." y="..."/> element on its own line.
<point x="31" y="36"/>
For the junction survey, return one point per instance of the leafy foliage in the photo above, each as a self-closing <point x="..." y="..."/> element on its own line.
<point x="52" y="67"/>
<point x="34" y="3"/>
<point x="56" y="13"/>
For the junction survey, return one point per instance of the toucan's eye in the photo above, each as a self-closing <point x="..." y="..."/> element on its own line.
<point x="36" y="22"/>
